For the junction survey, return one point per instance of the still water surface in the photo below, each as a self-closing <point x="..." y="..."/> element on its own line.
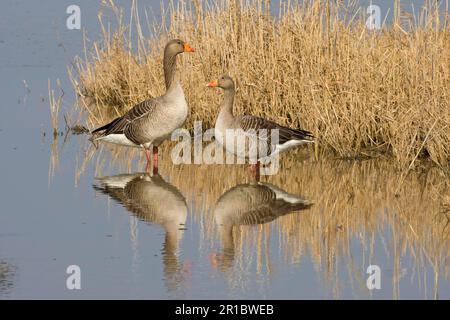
<point x="193" y="231"/>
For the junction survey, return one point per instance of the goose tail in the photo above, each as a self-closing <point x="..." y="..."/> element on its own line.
<point x="106" y="126"/>
<point x="303" y="135"/>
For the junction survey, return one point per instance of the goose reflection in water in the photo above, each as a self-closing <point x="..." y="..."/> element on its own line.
<point x="153" y="200"/>
<point x="249" y="204"/>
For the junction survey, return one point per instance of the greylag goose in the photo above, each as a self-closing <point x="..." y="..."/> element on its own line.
<point x="249" y="125"/>
<point x="152" y="121"/>
<point x="250" y="204"/>
<point x="153" y="200"/>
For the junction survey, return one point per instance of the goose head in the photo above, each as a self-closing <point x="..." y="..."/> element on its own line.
<point x="177" y="46"/>
<point x="225" y="82"/>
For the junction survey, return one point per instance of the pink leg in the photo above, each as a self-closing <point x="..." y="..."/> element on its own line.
<point x="255" y="169"/>
<point x="155" y="160"/>
<point x="147" y="155"/>
<point x="213" y="259"/>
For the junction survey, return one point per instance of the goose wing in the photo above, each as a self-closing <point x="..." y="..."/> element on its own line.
<point x="250" y="123"/>
<point x="127" y="124"/>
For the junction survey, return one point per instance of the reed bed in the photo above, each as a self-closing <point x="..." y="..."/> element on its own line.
<point x="314" y="65"/>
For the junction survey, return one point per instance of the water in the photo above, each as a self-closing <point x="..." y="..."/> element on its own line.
<point x="135" y="236"/>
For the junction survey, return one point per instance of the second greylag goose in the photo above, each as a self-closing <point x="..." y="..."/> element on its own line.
<point x="152" y="121"/>
<point x="249" y="125"/>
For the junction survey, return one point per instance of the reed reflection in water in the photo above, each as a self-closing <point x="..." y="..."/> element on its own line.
<point x="364" y="212"/>
<point x="7" y="272"/>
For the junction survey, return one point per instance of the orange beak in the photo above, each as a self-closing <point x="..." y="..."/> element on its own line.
<point x="213" y="83"/>
<point x="188" y="48"/>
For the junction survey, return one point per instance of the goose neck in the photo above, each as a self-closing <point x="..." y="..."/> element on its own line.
<point x="226" y="108"/>
<point x="170" y="66"/>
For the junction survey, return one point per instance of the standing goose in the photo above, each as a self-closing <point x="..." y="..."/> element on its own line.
<point x="152" y="121"/>
<point x="226" y="120"/>
<point x="250" y="204"/>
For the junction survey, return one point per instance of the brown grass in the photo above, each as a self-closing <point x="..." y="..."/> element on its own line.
<point x="314" y="66"/>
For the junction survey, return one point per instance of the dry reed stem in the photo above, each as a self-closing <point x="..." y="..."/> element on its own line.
<point x="55" y="106"/>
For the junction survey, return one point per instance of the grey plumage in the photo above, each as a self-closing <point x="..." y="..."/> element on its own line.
<point x="249" y="122"/>
<point x="128" y="123"/>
